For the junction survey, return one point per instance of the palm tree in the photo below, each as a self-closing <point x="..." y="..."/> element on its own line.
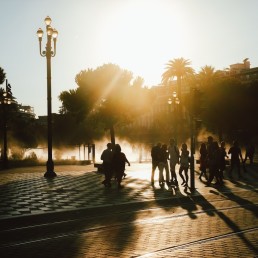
<point x="207" y="76"/>
<point x="178" y="67"/>
<point x="2" y="75"/>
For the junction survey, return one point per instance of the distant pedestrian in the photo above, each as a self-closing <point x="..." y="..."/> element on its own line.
<point x="209" y="149"/>
<point x="163" y="164"/>
<point x="222" y="163"/>
<point x="119" y="161"/>
<point x="184" y="164"/>
<point x="236" y="155"/>
<point x="214" y="161"/>
<point x="155" y="155"/>
<point x="173" y="152"/>
<point x="203" y="161"/>
<point x="107" y="157"/>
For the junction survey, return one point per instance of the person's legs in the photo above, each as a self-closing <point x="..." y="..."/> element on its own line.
<point x="205" y="173"/>
<point x="245" y="158"/>
<point x="161" y="169"/>
<point x="167" y="173"/>
<point x="202" y="168"/>
<point x="238" y="169"/>
<point x="186" y="176"/>
<point x="221" y="175"/>
<point x="217" y="176"/>
<point x="181" y="169"/>
<point x="109" y="174"/>
<point x="173" y="173"/>
<point x="251" y="157"/>
<point x="231" y="169"/>
<point x="211" y="175"/>
<point x="154" y="166"/>
<point x="107" y="169"/>
<point x="119" y="178"/>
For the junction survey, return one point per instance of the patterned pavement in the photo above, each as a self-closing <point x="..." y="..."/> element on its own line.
<point x="25" y="191"/>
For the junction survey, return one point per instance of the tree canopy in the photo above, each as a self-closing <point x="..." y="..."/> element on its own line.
<point x="179" y="68"/>
<point x="105" y="97"/>
<point x="2" y="75"/>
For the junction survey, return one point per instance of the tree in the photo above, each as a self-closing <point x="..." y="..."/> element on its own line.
<point x="105" y="98"/>
<point x="207" y="76"/>
<point x="2" y="75"/>
<point x="179" y="68"/>
<point x="225" y="112"/>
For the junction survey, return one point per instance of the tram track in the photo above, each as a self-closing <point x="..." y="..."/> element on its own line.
<point x="40" y="233"/>
<point x="201" y="241"/>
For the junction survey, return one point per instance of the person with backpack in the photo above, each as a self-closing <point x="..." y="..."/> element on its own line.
<point x="106" y="157"/>
<point x="119" y="161"/>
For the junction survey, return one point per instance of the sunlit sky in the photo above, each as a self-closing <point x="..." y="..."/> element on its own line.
<point x="138" y="35"/>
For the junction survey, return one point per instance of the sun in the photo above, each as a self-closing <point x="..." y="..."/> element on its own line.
<point x="134" y="35"/>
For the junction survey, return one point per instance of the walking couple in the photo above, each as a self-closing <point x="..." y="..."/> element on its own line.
<point x="113" y="164"/>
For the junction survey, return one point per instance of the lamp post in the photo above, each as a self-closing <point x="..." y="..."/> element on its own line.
<point x="192" y="131"/>
<point x="192" y="179"/>
<point x="6" y="99"/>
<point x="175" y="101"/>
<point x="48" y="53"/>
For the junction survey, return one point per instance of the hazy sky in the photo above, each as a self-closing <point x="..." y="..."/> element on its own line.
<point x="138" y="35"/>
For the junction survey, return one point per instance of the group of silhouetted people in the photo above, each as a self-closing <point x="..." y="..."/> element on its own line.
<point x="213" y="160"/>
<point x="114" y="161"/>
<point x="161" y="154"/>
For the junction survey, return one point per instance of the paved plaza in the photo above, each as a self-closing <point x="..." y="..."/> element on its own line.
<point x="25" y="191"/>
<point x="209" y="222"/>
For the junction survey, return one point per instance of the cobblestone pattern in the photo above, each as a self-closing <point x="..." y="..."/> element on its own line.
<point x="24" y="193"/>
<point x="181" y="236"/>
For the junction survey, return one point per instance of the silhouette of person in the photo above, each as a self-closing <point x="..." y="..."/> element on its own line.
<point x="236" y="155"/>
<point x="163" y="164"/>
<point x="203" y="161"/>
<point x="173" y="152"/>
<point x="155" y="155"/>
<point x="214" y="161"/>
<point x="209" y="149"/>
<point x="107" y="156"/>
<point x="222" y="163"/>
<point x="184" y="164"/>
<point x="119" y="161"/>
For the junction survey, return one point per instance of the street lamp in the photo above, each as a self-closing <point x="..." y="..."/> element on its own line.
<point x="48" y="53"/>
<point x="6" y="99"/>
<point x="175" y="101"/>
<point x="192" y="129"/>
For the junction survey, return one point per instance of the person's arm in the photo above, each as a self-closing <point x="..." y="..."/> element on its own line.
<point x="102" y="155"/>
<point x="126" y="160"/>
